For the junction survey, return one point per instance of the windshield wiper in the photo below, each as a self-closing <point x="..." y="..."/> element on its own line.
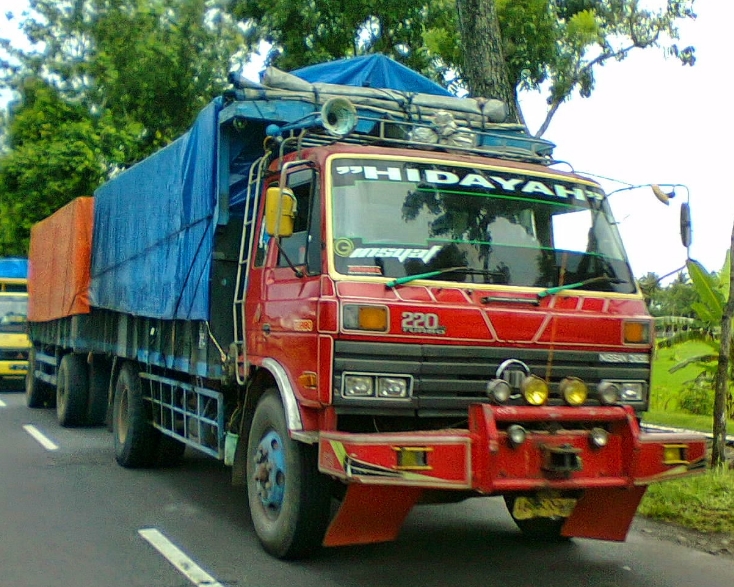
<point x="600" y="279"/>
<point x="467" y="270"/>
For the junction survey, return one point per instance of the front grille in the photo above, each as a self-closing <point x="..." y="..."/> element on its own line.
<point x="446" y="379"/>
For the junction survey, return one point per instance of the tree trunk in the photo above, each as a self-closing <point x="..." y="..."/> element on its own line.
<point x="718" y="455"/>
<point x="484" y="62"/>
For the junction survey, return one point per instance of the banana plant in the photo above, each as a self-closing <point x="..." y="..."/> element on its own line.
<point x="713" y="291"/>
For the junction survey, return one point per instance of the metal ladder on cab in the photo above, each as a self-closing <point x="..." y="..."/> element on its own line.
<point x="252" y="201"/>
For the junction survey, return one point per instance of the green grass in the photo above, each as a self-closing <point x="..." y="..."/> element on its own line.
<point x="703" y="502"/>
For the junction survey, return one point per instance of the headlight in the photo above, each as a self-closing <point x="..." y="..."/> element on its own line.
<point x="358" y="386"/>
<point x="392" y="387"/>
<point x="535" y="390"/>
<point x="574" y="391"/>
<point x="632" y="391"/>
<point x="364" y="385"/>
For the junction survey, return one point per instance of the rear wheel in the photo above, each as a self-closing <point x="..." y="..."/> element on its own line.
<point x="289" y="499"/>
<point x="71" y="390"/>
<point x="134" y="437"/>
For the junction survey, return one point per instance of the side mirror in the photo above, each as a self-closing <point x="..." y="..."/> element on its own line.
<point x="280" y="212"/>
<point x="686" y="232"/>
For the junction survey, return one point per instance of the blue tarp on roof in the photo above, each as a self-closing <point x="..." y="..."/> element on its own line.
<point x="15" y="267"/>
<point x="372" y="71"/>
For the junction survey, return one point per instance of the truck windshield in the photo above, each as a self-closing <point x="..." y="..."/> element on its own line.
<point x="496" y="226"/>
<point x="13" y="313"/>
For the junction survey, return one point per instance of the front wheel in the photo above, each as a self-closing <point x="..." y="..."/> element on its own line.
<point x="289" y="499"/>
<point x="134" y="437"/>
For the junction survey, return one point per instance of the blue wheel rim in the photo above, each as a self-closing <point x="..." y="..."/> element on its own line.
<point x="270" y="471"/>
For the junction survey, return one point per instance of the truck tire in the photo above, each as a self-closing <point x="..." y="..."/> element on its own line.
<point x="71" y="390"/>
<point x="537" y="529"/>
<point x="289" y="499"/>
<point x="134" y="437"/>
<point x="99" y="384"/>
<point x="38" y="393"/>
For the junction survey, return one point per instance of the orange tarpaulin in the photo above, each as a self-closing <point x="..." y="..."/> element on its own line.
<point x="59" y="262"/>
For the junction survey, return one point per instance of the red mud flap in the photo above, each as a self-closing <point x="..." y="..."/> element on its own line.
<point x="604" y="513"/>
<point x="371" y="513"/>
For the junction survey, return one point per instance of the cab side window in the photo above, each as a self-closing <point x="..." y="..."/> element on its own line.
<point x="304" y="245"/>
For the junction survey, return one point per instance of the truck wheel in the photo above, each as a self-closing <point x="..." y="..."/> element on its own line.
<point x="134" y="437"/>
<point x="289" y="499"/>
<point x="37" y="393"/>
<point x="537" y="529"/>
<point x="99" y="382"/>
<point x="71" y="390"/>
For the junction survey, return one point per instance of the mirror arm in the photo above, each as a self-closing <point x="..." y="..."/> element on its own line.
<point x="296" y="271"/>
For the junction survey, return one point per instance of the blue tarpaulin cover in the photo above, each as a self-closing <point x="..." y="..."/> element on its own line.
<point x="371" y="71"/>
<point x="15" y="267"/>
<point x="153" y="224"/>
<point x="152" y="242"/>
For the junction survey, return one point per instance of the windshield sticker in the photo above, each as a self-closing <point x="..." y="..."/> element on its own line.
<point x="399" y="253"/>
<point x="343" y="247"/>
<point x="364" y="270"/>
<point x="472" y="179"/>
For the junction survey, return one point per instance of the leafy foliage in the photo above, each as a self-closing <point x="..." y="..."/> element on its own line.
<point x="104" y="84"/>
<point x="546" y="44"/>
<point x="713" y="295"/>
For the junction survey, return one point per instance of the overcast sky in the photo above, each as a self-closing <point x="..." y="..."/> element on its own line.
<point x="651" y="120"/>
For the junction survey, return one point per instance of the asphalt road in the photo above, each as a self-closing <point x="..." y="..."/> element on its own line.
<point x="70" y="516"/>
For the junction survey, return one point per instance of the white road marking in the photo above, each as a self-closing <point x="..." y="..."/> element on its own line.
<point x="178" y="559"/>
<point x="2" y="404"/>
<point x="40" y="438"/>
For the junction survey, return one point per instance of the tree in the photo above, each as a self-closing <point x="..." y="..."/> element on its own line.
<point x="54" y="155"/>
<point x="420" y="35"/>
<point x="105" y="83"/>
<point x="489" y="47"/>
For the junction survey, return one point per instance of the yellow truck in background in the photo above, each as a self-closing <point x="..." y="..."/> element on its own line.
<point x="14" y="342"/>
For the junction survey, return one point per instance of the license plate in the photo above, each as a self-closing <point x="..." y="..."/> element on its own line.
<point x="543" y="507"/>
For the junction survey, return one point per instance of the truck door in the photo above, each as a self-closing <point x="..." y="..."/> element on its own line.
<point x="291" y="284"/>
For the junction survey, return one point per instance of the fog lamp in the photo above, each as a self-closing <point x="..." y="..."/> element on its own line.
<point x="499" y="390"/>
<point x="516" y="434"/>
<point x="574" y="391"/>
<point x="535" y="390"/>
<point x="599" y="437"/>
<point x="609" y="393"/>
